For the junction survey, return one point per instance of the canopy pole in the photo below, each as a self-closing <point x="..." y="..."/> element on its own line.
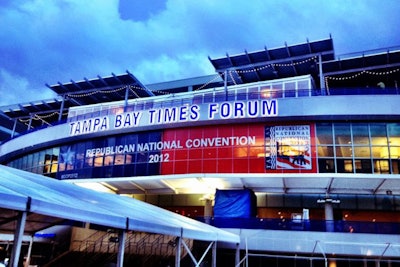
<point x="178" y="251"/>
<point x="237" y="255"/>
<point x="121" y="248"/>
<point x="214" y="254"/>
<point x="18" y="235"/>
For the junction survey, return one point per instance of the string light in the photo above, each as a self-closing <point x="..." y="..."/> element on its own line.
<point x="356" y="75"/>
<point x="233" y="79"/>
<point x="96" y="92"/>
<point x="207" y="83"/>
<point x="47" y="116"/>
<point x="272" y="65"/>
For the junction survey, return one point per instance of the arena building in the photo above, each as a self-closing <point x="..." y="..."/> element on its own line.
<point x="295" y="149"/>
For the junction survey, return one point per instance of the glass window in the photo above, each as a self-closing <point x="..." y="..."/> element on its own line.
<point x="220" y="97"/>
<point x="324" y="133"/>
<point x="253" y="93"/>
<point x="119" y="159"/>
<point x="381" y="166"/>
<point x="304" y="88"/>
<point x="326" y="165"/>
<point x="241" y="94"/>
<point x="231" y="96"/>
<point x="344" y="165"/>
<point x="394" y="134"/>
<point x="148" y="105"/>
<point x="24" y="163"/>
<point x="98" y="161"/>
<point x="47" y="163"/>
<point x="265" y="91"/>
<point x="198" y="99"/>
<point x="109" y="160"/>
<point x="363" y="166"/>
<point x="139" y="106"/>
<point x="362" y="152"/>
<point x="88" y="162"/>
<point x="325" y="151"/>
<point x="395" y="152"/>
<point x="380" y="152"/>
<point x="378" y="134"/>
<point x="342" y="133"/>
<point x="276" y="91"/>
<point x="360" y="134"/>
<point x="54" y="164"/>
<point x="344" y="152"/>
<point x="395" y="166"/>
<point x="36" y="159"/>
<point x="129" y="158"/>
<point x="290" y="89"/>
<point x="208" y="98"/>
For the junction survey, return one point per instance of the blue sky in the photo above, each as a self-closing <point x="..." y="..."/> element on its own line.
<point x="47" y="41"/>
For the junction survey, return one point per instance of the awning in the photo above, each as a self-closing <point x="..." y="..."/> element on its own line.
<point x="48" y="201"/>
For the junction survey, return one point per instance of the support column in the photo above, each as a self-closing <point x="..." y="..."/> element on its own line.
<point x="214" y="255"/>
<point x="121" y="248"/>
<point x="178" y="251"/>
<point x="329" y="219"/>
<point x="207" y="210"/>
<point x="237" y="255"/>
<point x="18" y="235"/>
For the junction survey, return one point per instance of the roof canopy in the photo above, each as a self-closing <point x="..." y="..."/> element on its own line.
<point x="102" y="89"/>
<point x="50" y="201"/>
<point x="269" y="64"/>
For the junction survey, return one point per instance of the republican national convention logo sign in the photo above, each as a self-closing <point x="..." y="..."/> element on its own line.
<point x="288" y="147"/>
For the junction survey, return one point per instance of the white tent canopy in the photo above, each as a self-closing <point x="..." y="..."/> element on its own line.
<point x="49" y="201"/>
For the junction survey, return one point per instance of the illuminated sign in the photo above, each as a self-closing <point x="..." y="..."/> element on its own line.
<point x="226" y="148"/>
<point x="174" y="144"/>
<point x="178" y="114"/>
<point x="288" y="147"/>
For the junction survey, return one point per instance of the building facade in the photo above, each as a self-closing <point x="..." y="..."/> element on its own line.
<point x="315" y="137"/>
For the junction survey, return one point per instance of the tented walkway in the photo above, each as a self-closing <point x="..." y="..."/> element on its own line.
<point x="31" y="202"/>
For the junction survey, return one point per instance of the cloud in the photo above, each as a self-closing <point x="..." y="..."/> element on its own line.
<point x="46" y="41"/>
